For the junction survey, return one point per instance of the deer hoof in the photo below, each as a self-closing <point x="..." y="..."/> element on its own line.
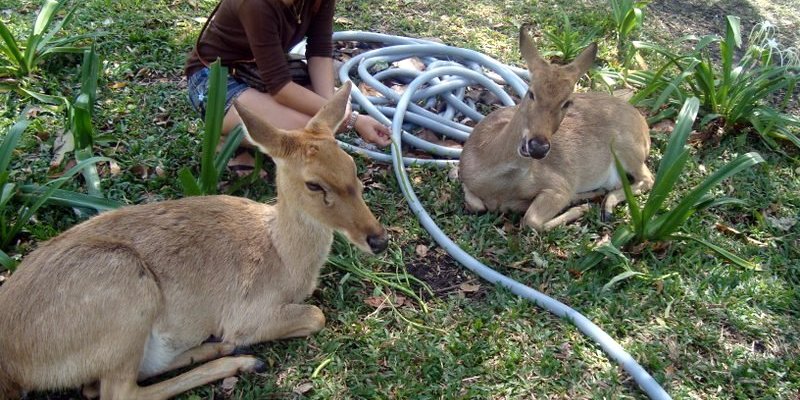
<point x="259" y="367"/>
<point x="606" y="216"/>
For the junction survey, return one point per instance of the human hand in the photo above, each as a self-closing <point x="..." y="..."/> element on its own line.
<point x="373" y="131"/>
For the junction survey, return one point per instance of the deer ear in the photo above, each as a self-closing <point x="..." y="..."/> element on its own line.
<point x="528" y="50"/>
<point x="331" y="115"/>
<point x="269" y="139"/>
<point x="581" y="64"/>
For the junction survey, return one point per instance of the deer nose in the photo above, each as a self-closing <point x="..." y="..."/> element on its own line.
<point x="537" y="148"/>
<point x="377" y="243"/>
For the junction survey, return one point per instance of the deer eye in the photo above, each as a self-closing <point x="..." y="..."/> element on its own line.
<point x="567" y="104"/>
<point x="314" y="187"/>
<point x="530" y="95"/>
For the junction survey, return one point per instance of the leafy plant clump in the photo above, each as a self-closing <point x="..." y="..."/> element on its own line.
<point x="19" y="202"/>
<point x="568" y="41"/>
<point x="212" y="165"/>
<point x="627" y="16"/>
<point x="751" y="92"/>
<point x="651" y="222"/>
<point x="19" y="58"/>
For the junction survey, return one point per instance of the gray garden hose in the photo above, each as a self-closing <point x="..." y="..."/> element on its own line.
<point x="455" y="77"/>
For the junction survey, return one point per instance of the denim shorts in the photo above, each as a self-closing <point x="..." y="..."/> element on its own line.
<point x="197" y="85"/>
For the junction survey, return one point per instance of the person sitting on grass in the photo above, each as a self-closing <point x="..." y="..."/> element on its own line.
<point x="255" y="36"/>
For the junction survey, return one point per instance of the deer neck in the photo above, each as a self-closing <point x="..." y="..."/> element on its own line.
<point x="302" y="241"/>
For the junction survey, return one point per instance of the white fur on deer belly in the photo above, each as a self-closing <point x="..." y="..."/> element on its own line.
<point x="158" y="354"/>
<point x="609" y="180"/>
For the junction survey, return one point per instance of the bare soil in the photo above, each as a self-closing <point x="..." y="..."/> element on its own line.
<point x="698" y="17"/>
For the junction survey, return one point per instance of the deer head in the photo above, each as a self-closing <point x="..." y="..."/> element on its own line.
<point x="549" y="96"/>
<point x="316" y="176"/>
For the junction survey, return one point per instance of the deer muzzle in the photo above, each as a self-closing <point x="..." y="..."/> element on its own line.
<point x="536" y="148"/>
<point x="378" y="242"/>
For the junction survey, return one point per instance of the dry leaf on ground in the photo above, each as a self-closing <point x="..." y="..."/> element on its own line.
<point x="467" y="287"/>
<point x="421" y="250"/>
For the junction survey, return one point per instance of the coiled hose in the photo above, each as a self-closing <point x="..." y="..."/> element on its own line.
<point x="447" y="72"/>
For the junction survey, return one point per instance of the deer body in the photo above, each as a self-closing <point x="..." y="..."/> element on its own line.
<point x="136" y="292"/>
<point x="554" y="148"/>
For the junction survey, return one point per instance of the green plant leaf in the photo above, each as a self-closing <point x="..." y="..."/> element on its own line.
<point x="43" y="20"/>
<point x="676" y="217"/>
<point x="10" y="142"/>
<point x="622" y="236"/>
<point x="725" y="254"/>
<point x="7" y="262"/>
<point x="6" y="193"/>
<point x="663" y="186"/>
<point x="45" y="17"/>
<point x="215" y="110"/>
<point x="711" y="202"/>
<point x="633" y="204"/>
<point x="42" y="197"/>
<point x="81" y="121"/>
<point x="674" y="86"/>
<point x="46" y="98"/>
<point x="232" y="142"/>
<point x="11" y="48"/>
<point x="677" y="140"/>
<point x="47" y="38"/>
<point x="189" y="183"/>
<point x="619" y="278"/>
<point x="69" y="198"/>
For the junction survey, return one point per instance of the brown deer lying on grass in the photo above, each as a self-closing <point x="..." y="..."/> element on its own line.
<point x="554" y="148"/>
<point x="136" y="292"/>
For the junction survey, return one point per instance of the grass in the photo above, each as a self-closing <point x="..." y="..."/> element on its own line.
<point x="702" y="327"/>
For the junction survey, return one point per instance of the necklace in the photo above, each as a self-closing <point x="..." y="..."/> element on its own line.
<point x="298" y="11"/>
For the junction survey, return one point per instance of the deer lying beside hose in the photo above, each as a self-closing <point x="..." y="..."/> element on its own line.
<point x="136" y="292"/>
<point x="554" y="148"/>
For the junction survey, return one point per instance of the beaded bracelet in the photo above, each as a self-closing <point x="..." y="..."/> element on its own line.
<point x="351" y="122"/>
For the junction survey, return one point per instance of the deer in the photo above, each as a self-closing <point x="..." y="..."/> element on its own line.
<point x="554" y="148"/>
<point x="132" y="293"/>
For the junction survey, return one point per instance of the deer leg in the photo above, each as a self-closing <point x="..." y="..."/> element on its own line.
<point x="125" y="387"/>
<point x="566" y="217"/>
<point x="288" y="321"/>
<point x="204" y="352"/>
<point x="544" y="207"/>
<point x="580" y="197"/>
<point x="474" y="204"/>
<point x="643" y="181"/>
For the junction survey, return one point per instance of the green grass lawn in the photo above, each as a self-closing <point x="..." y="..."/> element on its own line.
<point x="705" y="329"/>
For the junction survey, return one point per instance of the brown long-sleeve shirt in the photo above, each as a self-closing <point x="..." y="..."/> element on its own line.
<point x="264" y="31"/>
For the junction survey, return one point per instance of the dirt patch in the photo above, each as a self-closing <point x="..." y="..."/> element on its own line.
<point x="445" y="276"/>
<point x="684" y="17"/>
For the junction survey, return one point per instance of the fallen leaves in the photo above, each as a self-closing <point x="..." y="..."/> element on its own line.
<point x="63" y="144"/>
<point x="228" y="385"/>
<point x="113" y="168"/>
<point x="421" y="250"/>
<point x="381" y="302"/>
<point x="468" y="287"/>
<point x="303" y="388"/>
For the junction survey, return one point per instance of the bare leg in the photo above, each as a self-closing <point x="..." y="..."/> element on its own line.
<point x="263" y="104"/>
